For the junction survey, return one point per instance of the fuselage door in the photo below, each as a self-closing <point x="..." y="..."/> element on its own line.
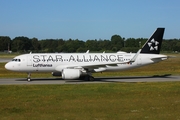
<point x="29" y="60"/>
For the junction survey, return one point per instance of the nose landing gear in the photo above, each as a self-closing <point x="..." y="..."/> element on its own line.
<point x="29" y="77"/>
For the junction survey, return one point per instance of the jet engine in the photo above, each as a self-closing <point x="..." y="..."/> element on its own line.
<point x="71" y="74"/>
<point x="56" y="73"/>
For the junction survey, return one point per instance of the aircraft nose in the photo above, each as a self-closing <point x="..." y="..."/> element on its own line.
<point x="9" y="66"/>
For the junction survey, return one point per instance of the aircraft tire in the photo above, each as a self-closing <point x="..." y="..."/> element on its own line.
<point x="29" y="79"/>
<point x="91" y="78"/>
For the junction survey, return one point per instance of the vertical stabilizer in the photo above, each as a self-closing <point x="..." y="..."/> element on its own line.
<point x="153" y="44"/>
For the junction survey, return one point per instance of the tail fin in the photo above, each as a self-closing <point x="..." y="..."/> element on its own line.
<point x="153" y="44"/>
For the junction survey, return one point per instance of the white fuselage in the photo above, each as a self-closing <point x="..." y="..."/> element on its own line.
<point x="96" y="62"/>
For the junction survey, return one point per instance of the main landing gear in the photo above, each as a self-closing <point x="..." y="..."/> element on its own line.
<point x="29" y="77"/>
<point x="90" y="78"/>
<point x="87" y="78"/>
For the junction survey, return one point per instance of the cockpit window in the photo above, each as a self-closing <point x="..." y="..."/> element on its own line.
<point x="16" y="60"/>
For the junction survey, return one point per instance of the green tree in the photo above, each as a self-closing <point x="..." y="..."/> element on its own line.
<point x="20" y="44"/>
<point x="49" y="45"/>
<point x="5" y="43"/>
<point x="131" y="42"/>
<point x="73" y="45"/>
<point x="165" y="46"/>
<point x="104" y="45"/>
<point x="35" y="44"/>
<point x="117" y="42"/>
<point x="61" y="43"/>
<point x="92" y="45"/>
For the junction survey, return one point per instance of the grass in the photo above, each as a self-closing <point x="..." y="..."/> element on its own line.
<point x="159" y="100"/>
<point x="5" y="55"/>
<point x="91" y="101"/>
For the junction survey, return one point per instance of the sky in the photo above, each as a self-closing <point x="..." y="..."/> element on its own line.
<point x="88" y="19"/>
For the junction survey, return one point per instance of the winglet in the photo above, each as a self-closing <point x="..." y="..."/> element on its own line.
<point x="153" y="44"/>
<point x="87" y="51"/>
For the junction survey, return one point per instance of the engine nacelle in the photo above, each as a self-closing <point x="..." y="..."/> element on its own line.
<point x="56" y="73"/>
<point x="71" y="74"/>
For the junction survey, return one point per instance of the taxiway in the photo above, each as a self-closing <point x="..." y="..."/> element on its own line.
<point x="5" y="60"/>
<point x="23" y="81"/>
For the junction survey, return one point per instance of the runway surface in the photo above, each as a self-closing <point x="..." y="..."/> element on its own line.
<point x="23" y="81"/>
<point x="5" y="60"/>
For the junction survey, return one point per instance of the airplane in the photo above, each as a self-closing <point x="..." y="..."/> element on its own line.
<point x="82" y="65"/>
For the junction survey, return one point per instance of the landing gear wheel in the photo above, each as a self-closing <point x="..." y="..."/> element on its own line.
<point x="29" y="77"/>
<point x="91" y="78"/>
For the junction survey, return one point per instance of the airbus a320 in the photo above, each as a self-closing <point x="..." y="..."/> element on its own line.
<point x="82" y="65"/>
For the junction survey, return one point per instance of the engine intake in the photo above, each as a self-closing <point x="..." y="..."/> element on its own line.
<point x="56" y="73"/>
<point x="71" y="74"/>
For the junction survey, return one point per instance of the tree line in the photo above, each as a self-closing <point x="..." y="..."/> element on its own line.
<point x="116" y="43"/>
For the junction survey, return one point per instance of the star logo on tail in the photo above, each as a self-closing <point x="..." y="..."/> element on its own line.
<point x="153" y="45"/>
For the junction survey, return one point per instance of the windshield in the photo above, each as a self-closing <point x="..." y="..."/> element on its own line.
<point x="16" y="60"/>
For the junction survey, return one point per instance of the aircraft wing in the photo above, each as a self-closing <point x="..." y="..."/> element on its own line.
<point x="92" y="66"/>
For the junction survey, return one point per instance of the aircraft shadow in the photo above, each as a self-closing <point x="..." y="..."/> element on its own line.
<point x="122" y="79"/>
<point x="137" y="77"/>
<point x="40" y="79"/>
<point x="100" y="79"/>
